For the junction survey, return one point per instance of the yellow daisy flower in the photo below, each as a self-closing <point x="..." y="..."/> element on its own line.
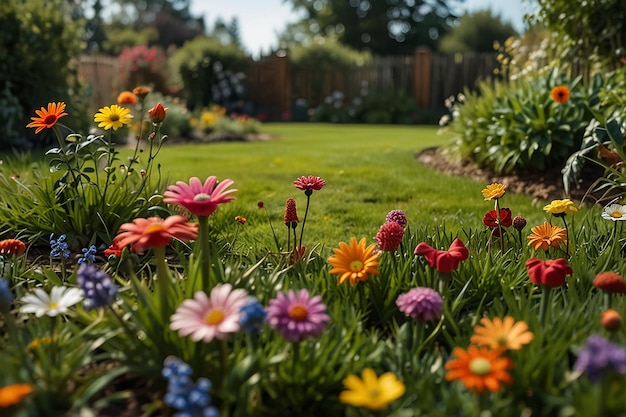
<point x="371" y="392"/>
<point x="354" y="262"/>
<point x="561" y="207"/>
<point x="112" y="117"/>
<point x="494" y="191"/>
<point x="502" y="334"/>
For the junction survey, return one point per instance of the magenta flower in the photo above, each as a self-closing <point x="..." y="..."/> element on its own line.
<point x="296" y="315"/>
<point x="200" y="199"/>
<point x="397" y="216"/>
<point x="310" y="183"/>
<point x="390" y="236"/>
<point x="421" y="303"/>
<point x="213" y="317"/>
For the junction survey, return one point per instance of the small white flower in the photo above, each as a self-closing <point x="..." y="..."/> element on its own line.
<point x="60" y="298"/>
<point x="615" y="212"/>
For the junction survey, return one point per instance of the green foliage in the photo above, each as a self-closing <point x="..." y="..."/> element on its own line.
<point x="198" y="66"/>
<point x="39" y="47"/>
<point x="519" y="127"/>
<point x="477" y="32"/>
<point x="118" y="38"/>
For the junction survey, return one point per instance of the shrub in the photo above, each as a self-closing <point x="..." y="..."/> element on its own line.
<point x="141" y="65"/>
<point x="39" y="45"/>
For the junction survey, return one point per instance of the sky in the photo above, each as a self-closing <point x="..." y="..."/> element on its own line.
<point x="260" y="21"/>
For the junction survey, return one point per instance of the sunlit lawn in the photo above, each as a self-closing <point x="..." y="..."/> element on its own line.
<point x="369" y="171"/>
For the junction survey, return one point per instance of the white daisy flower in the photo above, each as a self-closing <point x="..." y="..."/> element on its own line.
<point x="60" y="298"/>
<point x="615" y="212"/>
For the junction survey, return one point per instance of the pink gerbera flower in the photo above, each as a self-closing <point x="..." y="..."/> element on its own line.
<point x="200" y="199"/>
<point x="310" y="183"/>
<point x="154" y="232"/>
<point x="296" y="315"/>
<point x="213" y="317"/>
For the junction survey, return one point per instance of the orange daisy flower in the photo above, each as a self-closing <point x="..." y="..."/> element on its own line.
<point x="126" y="97"/>
<point x="560" y="94"/>
<point x="154" y="232"/>
<point x="499" y="334"/>
<point x="12" y="247"/>
<point x="354" y="262"/>
<point x="546" y="236"/>
<point x="13" y="394"/>
<point x="47" y="117"/>
<point x="479" y="369"/>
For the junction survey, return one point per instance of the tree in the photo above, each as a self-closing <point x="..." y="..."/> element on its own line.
<point x="477" y="32"/>
<point x="384" y="27"/>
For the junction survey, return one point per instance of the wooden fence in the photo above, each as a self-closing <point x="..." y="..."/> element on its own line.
<point x="273" y="86"/>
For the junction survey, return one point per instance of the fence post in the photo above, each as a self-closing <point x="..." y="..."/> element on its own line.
<point x="422" y="74"/>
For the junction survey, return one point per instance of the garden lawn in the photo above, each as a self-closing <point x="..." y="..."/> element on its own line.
<point x="369" y="170"/>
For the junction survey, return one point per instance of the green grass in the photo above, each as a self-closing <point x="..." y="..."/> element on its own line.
<point x="369" y="170"/>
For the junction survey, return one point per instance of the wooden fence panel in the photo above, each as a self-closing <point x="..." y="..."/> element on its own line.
<point x="99" y="73"/>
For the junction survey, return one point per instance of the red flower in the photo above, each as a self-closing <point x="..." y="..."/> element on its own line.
<point x="157" y="113"/>
<point x="444" y="261"/>
<point x="310" y="183"/>
<point x="114" y="249"/>
<point x="291" y="215"/>
<point x="12" y="247"/>
<point x="389" y="236"/>
<point x="610" y="282"/>
<point x="551" y="273"/>
<point x="491" y="218"/>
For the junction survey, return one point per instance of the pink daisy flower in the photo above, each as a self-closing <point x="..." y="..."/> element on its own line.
<point x="200" y="199"/>
<point x="296" y="315"/>
<point x="309" y="183"/>
<point x="213" y="317"/>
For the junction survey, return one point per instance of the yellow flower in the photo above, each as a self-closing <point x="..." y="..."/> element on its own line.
<point x="494" y="191"/>
<point x="113" y="117"/>
<point x="354" y="262"/>
<point x="545" y="236"/>
<point x="371" y="392"/>
<point x="502" y="334"/>
<point x="13" y="394"/>
<point x="38" y="341"/>
<point x="561" y="207"/>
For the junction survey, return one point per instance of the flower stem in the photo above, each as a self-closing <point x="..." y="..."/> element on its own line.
<point x="203" y="237"/>
<point x="306" y="212"/>
<point x="545" y="302"/>
<point x="163" y="280"/>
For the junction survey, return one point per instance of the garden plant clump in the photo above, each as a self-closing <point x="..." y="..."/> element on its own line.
<point x="144" y="307"/>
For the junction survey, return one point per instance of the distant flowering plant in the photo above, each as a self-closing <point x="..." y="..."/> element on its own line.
<point x="443" y="261"/>
<point x="127" y="97"/>
<point x="11" y="395"/>
<point x="296" y="315"/>
<point x="354" y="262"/>
<point x="600" y="356"/>
<point x="560" y="94"/>
<point x="370" y="391"/>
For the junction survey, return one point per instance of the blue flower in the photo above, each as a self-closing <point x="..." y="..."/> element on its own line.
<point x="252" y="315"/>
<point x="190" y="399"/>
<point x="59" y="247"/>
<point x="600" y="355"/>
<point x="6" y="296"/>
<point x="97" y="286"/>
<point x="89" y="255"/>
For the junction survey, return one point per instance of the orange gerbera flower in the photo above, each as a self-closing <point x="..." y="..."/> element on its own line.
<point x="154" y="232"/>
<point x="13" y="394"/>
<point x="479" y="369"/>
<point x="546" y="236"/>
<point x="354" y="262"/>
<point x="12" y="247"/>
<point x="47" y="117"/>
<point x="499" y="334"/>
<point x="560" y="94"/>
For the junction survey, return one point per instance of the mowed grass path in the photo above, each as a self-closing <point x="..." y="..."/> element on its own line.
<point x="369" y="170"/>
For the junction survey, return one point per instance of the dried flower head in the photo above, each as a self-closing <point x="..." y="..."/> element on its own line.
<point x="519" y="223"/>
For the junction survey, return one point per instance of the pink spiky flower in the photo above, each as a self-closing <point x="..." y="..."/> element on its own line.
<point x="310" y="183"/>
<point x="200" y="199"/>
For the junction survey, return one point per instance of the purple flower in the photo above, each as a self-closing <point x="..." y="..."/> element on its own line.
<point x="6" y="296"/>
<point x="397" y="216"/>
<point x="421" y="303"/>
<point x="600" y="354"/>
<point x="97" y="286"/>
<point x="296" y="315"/>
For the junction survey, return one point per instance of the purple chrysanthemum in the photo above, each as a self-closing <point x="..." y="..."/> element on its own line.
<point x="421" y="303"/>
<point x="296" y="315"/>
<point x="97" y="286"/>
<point x="397" y="216"/>
<point x="599" y="355"/>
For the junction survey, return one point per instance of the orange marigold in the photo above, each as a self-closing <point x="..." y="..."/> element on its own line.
<point x="12" y="247"/>
<point x="546" y="236"/>
<point x="479" y="369"/>
<point x="13" y="394"/>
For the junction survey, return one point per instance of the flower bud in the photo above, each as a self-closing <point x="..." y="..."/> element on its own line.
<point x="611" y="320"/>
<point x="157" y="113"/>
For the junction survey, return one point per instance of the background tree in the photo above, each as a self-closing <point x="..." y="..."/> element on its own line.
<point x="383" y="27"/>
<point x="477" y="32"/>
